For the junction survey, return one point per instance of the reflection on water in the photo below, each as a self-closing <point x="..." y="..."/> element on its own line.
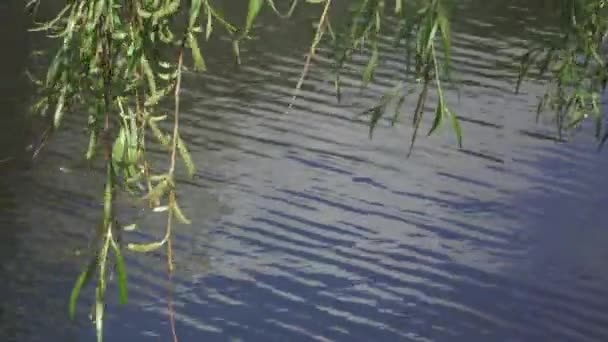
<point x="306" y="230"/>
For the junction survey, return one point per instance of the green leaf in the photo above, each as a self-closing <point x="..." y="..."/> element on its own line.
<point x="254" y="9"/>
<point x="53" y="21"/>
<point x="186" y="157"/>
<point x="209" y="27"/>
<point x="439" y="113"/>
<point x="122" y="275"/>
<point x="81" y="281"/>
<point x="59" y="107"/>
<point x="456" y="127"/>
<point x="375" y="117"/>
<point x="161" y="137"/>
<point x="418" y="115"/>
<point x="368" y="74"/>
<point x="146" y="248"/>
<point x="398" y="6"/>
<point x="597" y="115"/>
<point x="179" y="215"/>
<point x="92" y="144"/>
<point x="397" y="112"/>
<point x="150" y="78"/>
<point x="159" y="190"/>
<point x="195" y="9"/>
<point x="169" y="9"/>
<point x="444" y="27"/>
<point x="55" y="69"/>
<point x="197" y="57"/>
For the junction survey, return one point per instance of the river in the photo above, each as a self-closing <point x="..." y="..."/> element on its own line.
<point x="303" y="228"/>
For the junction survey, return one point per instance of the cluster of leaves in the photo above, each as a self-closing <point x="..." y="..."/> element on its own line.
<point x="117" y="61"/>
<point x="422" y="25"/>
<point x="576" y="63"/>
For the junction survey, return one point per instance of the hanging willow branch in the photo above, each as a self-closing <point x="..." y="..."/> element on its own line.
<point x="115" y="63"/>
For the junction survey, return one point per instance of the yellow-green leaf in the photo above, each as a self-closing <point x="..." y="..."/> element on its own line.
<point x="145" y="248"/>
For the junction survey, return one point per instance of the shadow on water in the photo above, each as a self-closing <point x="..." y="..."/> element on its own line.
<point x="305" y="230"/>
<point x="11" y="125"/>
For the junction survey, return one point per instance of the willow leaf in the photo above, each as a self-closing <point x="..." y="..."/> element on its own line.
<point x="186" y="157"/>
<point x="195" y="9"/>
<point x="175" y="209"/>
<point x="146" y="248"/>
<point x="122" y="275"/>
<point x="197" y="57"/>
<point x="455" y="126"/>
<point x="397" y="112"/>
<point x="368" y="74"/>
<point x="254" y="9"/>
<point x="439" y="114"/>
<point x="59" y="107"/>
<point x="81" y="281"/>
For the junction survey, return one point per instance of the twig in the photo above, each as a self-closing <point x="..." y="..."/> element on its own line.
<point x="178" y="83"/>
<point x="43" y="141"/>
<point x="311" y="53"/>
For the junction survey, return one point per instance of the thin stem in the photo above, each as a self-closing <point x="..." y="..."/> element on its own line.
<point x="313" y="48"/>
<point x="178" y="83"/>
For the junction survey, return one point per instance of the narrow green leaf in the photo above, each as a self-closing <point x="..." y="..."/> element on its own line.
<point x="55" y="69"/>
<point x="48" y="25"/>
<point x="167" y="10"/>
<point x="444" y="27"/>
<point x="81" y="281"/>
<point x="254" y="9"/>
<point x="375" y="117"/>
<point x="368" y="73"/>
<point x="456" y="127"/>
<point x="195" y="9"/>
<point x="175" y="209"/>
<point x="99" y="310"/>
<point x="597" y="115"/>
<point x="146" y="248"/>
<point x="418" y="115"/>
<point x="439" y="113"/>
<point x="92" y="144"/>
<point x="186" y="157"/>
<point x="158" y="191"/>
<point x="122" y="275"/>
<point x="541" y="106"/>
<point x="59" y="107"/>
<point x="197" y="57"/>
<point x="150" y="78"/>
<point x="397" y="112"/>
<point x="161" y="137"/>
<point x="209" y="27"/>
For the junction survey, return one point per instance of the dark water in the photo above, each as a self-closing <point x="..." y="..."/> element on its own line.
<point x="306" y="230"/>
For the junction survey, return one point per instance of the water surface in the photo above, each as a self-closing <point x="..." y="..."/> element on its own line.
<point x="304" y="229"/>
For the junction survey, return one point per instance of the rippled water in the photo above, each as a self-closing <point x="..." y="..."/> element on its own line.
<point x="304" y="229"/>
